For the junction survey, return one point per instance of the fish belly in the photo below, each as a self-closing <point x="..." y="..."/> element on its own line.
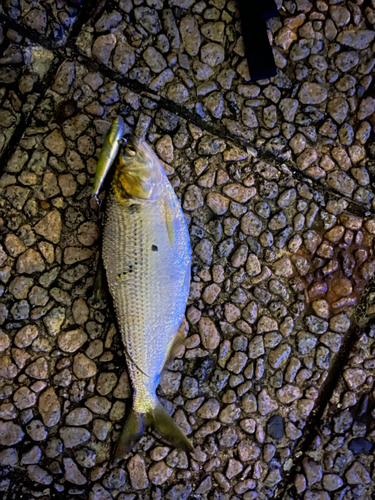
<point x="146" y="278"/>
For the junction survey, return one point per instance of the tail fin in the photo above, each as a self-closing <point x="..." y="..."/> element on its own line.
<point x="169" y="430"/>
<point x="131" y="433"/>
<point x="135" y="425"/>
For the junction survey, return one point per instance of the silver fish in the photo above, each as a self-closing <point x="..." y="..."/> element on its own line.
<point x="147" y="258"/>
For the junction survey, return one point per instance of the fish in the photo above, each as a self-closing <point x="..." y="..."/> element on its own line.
<point x="147" y="259"/>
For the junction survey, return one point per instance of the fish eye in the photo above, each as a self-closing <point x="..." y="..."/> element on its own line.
<point x="130" y="150"/>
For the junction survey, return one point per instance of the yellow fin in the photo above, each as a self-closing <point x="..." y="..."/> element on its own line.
<point x="168" y="219"/>
<point x="135" y="426"/>
<point x="168" y="429"/>
<point x="131" y="433"/>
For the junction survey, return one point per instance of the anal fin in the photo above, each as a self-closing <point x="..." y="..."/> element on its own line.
<point x="178" y="341"/>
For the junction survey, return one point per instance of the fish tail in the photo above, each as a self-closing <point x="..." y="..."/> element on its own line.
<point x="169" y="430"/>
<point x="133" y="430"/>
<point x="157" y="418"/>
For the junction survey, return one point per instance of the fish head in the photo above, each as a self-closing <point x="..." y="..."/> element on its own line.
<point x="139" y="172"/>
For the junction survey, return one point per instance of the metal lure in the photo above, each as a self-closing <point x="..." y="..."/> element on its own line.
<point x="107" y="154"/>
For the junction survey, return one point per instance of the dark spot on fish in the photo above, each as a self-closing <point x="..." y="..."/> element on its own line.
<point x="129" y="270"/>
<point x="154" y="248"/>
<point x="133" y="209"/>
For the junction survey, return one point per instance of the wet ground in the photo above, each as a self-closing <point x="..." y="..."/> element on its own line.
<point x="275" y="384"/>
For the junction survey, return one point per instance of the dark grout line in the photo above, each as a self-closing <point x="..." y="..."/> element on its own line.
<point x="86" y="11"/>
<point x="47" y="81"/>
<point x="216" y="129"/>
<point x="29" y="33"/>
<point x="39" y="88"/>
<point x="322" y="401"/>
<point x="162" y="102"/>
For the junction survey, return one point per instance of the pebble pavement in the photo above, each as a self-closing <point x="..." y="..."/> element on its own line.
<point x="274" y="385"/>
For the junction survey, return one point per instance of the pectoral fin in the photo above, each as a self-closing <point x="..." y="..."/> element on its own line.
<point x="169" y="220"/>
<point x="100" y="290"/>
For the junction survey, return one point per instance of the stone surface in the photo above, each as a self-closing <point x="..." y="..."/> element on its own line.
<point x="275" y="180"/>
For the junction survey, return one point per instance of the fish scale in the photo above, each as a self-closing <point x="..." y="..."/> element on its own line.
<point x="147" y="285"/>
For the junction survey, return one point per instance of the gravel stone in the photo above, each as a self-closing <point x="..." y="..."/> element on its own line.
<point x="313" y="471"/>
<point x="279" y="356"/>
<point x="265" y="403"/>
<point x="73" y="436"/>
<point x="30" y="262"/>
<point x="332" y="482"/>
<point x="83" y="367"/>
<point x="338" y="109"/>
<point x="359" y="445"/>
<point x="137" y="473"/>
<point x="36" y="430"/>
<point x="190" y="35"/>
<point x="32" y="456"/>
<point x="357" y="474"/>
<point x="102" y="48"/>
<point x="354" y="377"/>
<point x="72" y="473"/>
<point x="38" y="369"/>
<point x="193" y="199"/>
<point x="275" y="427"/>
<point x="341" y="182"/>
<point x="159" y="473"/>
<point x="50" y="226"/>
<point x="209" y="334"/>
<point x="78" y="416"/>
<point x="39" y="475"/>
<point x="312" y="93"/>
<point x="11" y="433"/>
<point x="49" y="407"/>
<point x="72" y="340"/>
<point x="359" y="39"/>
